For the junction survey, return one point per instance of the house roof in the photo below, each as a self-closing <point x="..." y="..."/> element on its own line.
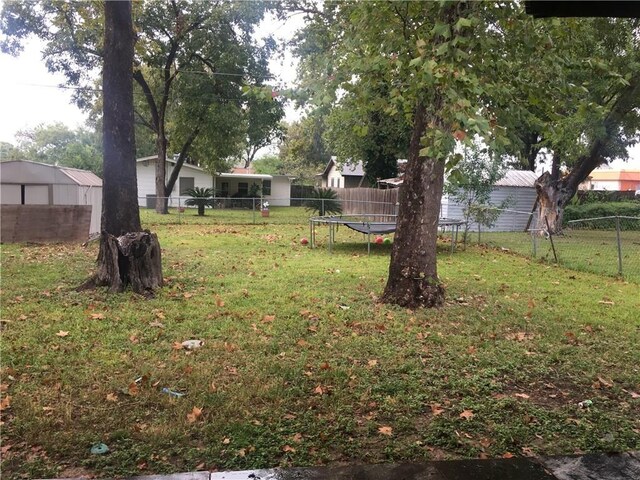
<point x="346" y="170"/>
<point x="615" y="175"/>
<point x="518" y="178"/>
<point x="256" y="176"/>
<point x="153" y="158"/>
<point x="25" y="171"/>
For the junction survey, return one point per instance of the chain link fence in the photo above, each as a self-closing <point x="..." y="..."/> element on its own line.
<point x="604" y="245"/>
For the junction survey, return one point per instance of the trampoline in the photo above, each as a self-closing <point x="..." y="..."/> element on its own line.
<point x="367" y="224"/>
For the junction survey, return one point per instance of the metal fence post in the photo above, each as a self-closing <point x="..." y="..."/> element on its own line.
<point x="619" y="246"/>
<point x="322" y="207"/>
<point x="253" y="207"/>
<point x="534" y="243"/>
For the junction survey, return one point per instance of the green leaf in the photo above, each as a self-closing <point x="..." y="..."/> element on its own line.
<point x="442" y="49"/>
<point x="462" y="23"/>
<point x="441" y="29"/>
<point x="415" y="62"/>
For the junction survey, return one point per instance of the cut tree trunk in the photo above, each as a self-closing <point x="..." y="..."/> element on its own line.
<point x="131" y="259"/>
<point x="553" y="197"/>
<point x="413" y="278"/>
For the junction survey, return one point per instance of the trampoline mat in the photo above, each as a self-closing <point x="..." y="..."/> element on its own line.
<point x="372" y="227"/>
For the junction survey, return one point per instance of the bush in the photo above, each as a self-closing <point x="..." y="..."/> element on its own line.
<point x="608" y="209"/>
<point x="324" y="201"/>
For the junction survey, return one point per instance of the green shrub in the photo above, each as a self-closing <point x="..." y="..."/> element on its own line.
<point x="201" y="197"/>
<point x="324" y="201"/>
<point x="608" y="209"/>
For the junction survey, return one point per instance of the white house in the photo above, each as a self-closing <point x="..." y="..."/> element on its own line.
<point x="275" y="189"/>
<point x="31" y="183"/>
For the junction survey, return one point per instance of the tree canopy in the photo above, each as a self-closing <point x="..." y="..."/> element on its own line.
<point x="57" y="144"/>
<point x="191" y="61"/>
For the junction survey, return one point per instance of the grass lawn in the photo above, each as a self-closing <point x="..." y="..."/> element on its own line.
<point x="300" y="365"/>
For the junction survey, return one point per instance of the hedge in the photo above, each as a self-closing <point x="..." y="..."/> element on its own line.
<point x="608" y="209"/>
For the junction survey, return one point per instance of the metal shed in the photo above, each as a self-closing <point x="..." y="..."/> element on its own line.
<point x="517" y="186"/>
<point x="30" y="183"/>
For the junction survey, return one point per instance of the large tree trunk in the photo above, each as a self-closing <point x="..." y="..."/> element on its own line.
<point x="162" y="203"/>
<point x="127" y="255"/>
<point x="413" y="278"/>
<point x="553" y="196"/>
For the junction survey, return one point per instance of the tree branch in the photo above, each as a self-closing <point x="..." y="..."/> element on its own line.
<point x="138" y="77"/>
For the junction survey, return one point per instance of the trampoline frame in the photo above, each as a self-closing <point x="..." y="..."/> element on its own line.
<point x="368" y="223"/>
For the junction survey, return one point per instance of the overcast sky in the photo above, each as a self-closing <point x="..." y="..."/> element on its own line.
<point x="30" y="95"/>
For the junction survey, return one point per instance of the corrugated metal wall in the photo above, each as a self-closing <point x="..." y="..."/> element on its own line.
<point x="520" y="202"/>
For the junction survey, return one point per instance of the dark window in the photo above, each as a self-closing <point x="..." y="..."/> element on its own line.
<point x="243" y="188"/>
<point x="266" y="187"/>
<point x="224" y="189"/>
<point x="186" y="183"/>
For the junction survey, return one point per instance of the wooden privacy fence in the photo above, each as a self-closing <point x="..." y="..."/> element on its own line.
<point x="368" y="201"/>
<point x="45" y="223"/>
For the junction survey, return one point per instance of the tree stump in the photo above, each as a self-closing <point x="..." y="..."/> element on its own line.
<point x="130" y="259"/>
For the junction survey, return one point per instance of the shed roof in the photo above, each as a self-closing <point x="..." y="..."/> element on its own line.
<point x="25" y="171"/>
<point x="518" y="178"/>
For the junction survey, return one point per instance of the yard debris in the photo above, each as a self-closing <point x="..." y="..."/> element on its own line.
<point x="585" y="404"/>
<point x="172" y="393"/>
<point x="192" y="344"/>
<point x="99" y="449"/>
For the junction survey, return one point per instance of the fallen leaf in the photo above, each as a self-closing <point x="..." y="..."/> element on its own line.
<point x="177" y="346"/>
<point x="133" y="389"/>
<point x="607" y="383"/>
<point x="324" y="366"/>
<point x="156" y="323"/>
<point x="372" y="363"/>
<point x="213" y="387"/>
<point x="97" y="316"/>
<point x="302" y="343"/>
<point x="522" y="395"/>
<point x="436" y="410"/>
<point x="219" y="302"/>
<point x="319" y="390"/>
<point x="5" y="403"/>
<point x="606" y="302"/>
<point x="112" y="397"/>
<point x="194" y="415"/>
<point x="507" y="455"/>
<point x="297" y="438"/>
<point x="528" y="452"/>
<point x="62" y="333"/>
<point x="268" y="318"/>
<point x="187" y="295"/>
<point x="388" y="431"/>
<point x="467" y="414"/>
<point x="634" y="395"/>
<point x="471" y="350"/>
<point x="242" y="452"/>
<point x="226" y="441"/>
<point x="200" y="466"/>
<point x="288" y="449"/>
<point x="134" y="339"/>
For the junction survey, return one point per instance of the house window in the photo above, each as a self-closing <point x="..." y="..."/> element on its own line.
<point x="266" y="187"/>
<point x="243" y="188"/>
<point x="332" y="182"/>
<point x="186" y="183"/>
<point x="224" y="189"/>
